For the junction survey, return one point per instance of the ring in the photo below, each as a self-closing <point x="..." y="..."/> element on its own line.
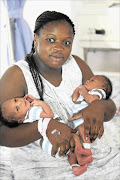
<point x="68" y="152"/>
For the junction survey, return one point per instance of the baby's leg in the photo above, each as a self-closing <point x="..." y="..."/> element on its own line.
<point x="86" y="143"/>
<point x="82" y="155"/>
<point x="78" y="161"/>
<point x="76" y="168"/>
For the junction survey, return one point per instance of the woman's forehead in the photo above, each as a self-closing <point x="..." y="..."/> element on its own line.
<point x="61" y="25"/>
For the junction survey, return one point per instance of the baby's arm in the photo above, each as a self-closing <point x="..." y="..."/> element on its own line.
<point x="46" y="112"/>
<point x="29" y="98"/>
<point x="88" y="97"/>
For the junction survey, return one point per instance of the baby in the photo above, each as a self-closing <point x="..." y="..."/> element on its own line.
<point x="98" y="87"/>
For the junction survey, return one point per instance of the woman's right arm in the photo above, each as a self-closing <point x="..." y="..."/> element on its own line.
<point x="19" y="136"/>
<point x="12" y="84"/>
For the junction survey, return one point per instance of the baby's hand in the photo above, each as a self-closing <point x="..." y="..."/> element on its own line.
<point x="36" y="102"/>
<point x="77" y="92"/>
<point x="82" y="90"/>
<point x="29" y="98"/>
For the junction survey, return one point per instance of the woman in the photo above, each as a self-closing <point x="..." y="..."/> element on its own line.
<point x="51" y="73"/>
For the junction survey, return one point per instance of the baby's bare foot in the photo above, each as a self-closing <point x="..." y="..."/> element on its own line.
<point x="83" y="159"/>
<point x="83" y="151"/>
<point x="78" y="170"/>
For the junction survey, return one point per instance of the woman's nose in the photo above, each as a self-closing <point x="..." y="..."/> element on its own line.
<point x="58" y="46"/>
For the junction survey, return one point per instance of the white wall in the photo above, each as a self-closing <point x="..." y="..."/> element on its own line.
<point x="33" y="8"/>
<point x="105" y="52"/>
<point x="100" y="60"/>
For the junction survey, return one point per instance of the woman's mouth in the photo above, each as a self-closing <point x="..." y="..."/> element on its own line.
<point x="57" y="58"/>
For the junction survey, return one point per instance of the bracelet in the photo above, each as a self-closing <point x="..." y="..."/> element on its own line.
<point x="86" y="145"/>
<point x="78" y="122"/>
<point x="42" y="125"/>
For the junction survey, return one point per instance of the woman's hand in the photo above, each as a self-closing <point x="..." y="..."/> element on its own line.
<point x="60" y="136"/>
<point x="93" y="116"/>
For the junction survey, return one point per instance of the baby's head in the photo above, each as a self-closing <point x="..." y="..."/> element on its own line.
<point x="99" y="82"/>
<point x="13" y="111"/>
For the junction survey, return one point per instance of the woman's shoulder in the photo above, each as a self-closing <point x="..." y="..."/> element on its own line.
<point x="12" y="83"/>
<point x="12" y="72"/>
<point x="72" y="65"/>
<point x="79" y="61"/>
<point x="22" y="64"/>
<point x="86" y="71"/>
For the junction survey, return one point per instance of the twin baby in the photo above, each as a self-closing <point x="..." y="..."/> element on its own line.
<point x="29" y="109"/>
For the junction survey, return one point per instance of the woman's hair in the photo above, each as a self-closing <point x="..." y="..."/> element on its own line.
<point x="6" y="121"/>
<point x="107" y="86"/>
<point x="51" y="16"/>
<point x="42" y="20"/>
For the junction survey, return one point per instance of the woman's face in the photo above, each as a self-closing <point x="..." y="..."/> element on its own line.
<point x="54" y="44"/>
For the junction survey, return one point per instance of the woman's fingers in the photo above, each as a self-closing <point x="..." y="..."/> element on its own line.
<point x="72" y="144"/>
<point x="62" y="149"/>
<point x="76" y="116"/>
<point x="101" y="131"/>
<point x="96" y="133"/>
<point x="60" y="135"/>
<point x="67" y="146"/>
<point x="87" y="129"/>
<point x="54" y="150"/>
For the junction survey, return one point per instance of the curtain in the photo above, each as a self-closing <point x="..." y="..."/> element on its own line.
<point x="20" y="34"/>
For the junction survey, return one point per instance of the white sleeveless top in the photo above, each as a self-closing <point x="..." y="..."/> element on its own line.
<point x="59" y="98"/>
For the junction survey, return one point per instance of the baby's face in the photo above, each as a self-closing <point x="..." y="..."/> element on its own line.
<point x="94" y="82"/>
<point x="16" y="107"/>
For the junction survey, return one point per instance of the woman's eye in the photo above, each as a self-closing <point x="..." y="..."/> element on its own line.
<point x="67" y="43"/>
<point x="15" y="100"/>
<point x="50" y="40"/>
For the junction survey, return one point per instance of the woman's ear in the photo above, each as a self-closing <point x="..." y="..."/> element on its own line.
<point x="35" y="40"/>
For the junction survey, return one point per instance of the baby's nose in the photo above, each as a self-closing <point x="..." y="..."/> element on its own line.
<point x="87" y="81"/>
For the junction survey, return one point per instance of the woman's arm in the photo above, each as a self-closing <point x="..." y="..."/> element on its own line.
<point x="19" y="136"/>
<point x="86" y="73"/>
<point x="12" y="84"/>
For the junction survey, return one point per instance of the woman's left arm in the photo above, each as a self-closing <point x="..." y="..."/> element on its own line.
<point x="97" y="112"/>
